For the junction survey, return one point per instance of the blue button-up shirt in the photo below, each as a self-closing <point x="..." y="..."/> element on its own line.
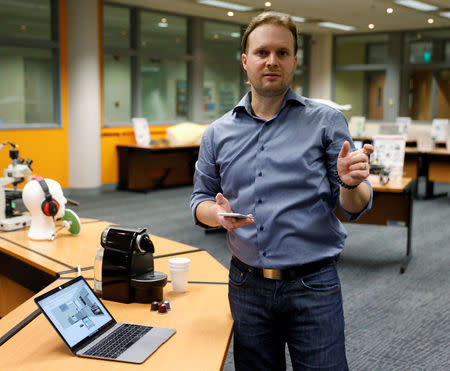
<point x="281" y="171"/>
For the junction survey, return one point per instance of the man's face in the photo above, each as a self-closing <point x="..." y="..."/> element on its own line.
<point x="270" y="60"/>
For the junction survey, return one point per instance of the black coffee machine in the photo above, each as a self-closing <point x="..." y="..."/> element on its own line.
<point x="128" y="273"/>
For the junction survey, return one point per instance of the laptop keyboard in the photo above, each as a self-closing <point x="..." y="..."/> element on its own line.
<point x="118" y="341"/>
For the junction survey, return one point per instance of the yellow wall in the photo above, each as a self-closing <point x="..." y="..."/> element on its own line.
<point x="111" y="137"/>
<point x="46" y="147"/>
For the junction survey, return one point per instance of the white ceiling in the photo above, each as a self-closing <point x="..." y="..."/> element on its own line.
<point x="357" y="13"/>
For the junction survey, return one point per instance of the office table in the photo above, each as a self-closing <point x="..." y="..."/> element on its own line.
<point x="392" y="205"/>
<point x="144" y="167"/>
<point x="433" y="165"/>
<point x="201" y="316"/>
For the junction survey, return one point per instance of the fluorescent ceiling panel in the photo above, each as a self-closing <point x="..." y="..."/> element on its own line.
<point x="336" y="26"/>
<point x="226" y="5"/>
<point x="419" y="5"/>
<point x="297" y="19"/>
<point x="445" y="14"/>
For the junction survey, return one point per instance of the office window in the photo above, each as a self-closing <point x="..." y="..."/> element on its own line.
<point x="116" y="27"/>
<point x="420" y="52"/>
<point x="117" y="89"/>
<point x="144" y="66"/>
<point x="221" y="89"/>
<point x="163" y="90"/>
<point x="377" y="53"/>
<point x="222" y="73"/>
<point x="29" y="64"/>
<point x="424" y="47"/>
<point x="26" y="19"/>
<point x="26" y="89"/>
<point x="361" y="49"/>
<point x="163" y="33"/>
<point x="300" y="81"/>
<point x="222" y="40"/>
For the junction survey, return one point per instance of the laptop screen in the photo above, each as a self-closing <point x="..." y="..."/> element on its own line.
<point x="74" y="311"/>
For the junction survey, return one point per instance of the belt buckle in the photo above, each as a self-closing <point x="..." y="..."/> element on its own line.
<point x="273" y="274"/>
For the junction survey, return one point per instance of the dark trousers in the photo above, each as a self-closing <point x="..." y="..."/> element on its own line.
<point x="305" y="313"/>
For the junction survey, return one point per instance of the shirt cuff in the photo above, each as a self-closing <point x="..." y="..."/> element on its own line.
<point x="194" y="209"/>
<point x="354" y="217"/>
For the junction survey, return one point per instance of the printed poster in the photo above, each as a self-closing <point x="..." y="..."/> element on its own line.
<point x="389" y="151"/>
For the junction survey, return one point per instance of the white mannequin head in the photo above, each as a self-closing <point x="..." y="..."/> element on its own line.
<point x="33" y="196"/>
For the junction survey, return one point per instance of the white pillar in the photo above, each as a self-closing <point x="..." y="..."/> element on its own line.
<point x="321" y="66"/>
<point x="83" y="71"/>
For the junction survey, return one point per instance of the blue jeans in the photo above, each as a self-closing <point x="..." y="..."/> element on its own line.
<point x="306" y="314"/>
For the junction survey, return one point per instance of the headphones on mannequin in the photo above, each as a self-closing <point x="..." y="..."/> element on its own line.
<point x="49" y="206"/>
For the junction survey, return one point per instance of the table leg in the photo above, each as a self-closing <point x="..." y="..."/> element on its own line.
<point x="408" y="256"/>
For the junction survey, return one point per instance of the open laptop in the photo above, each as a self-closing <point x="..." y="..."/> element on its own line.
<point x="89" y="330"/>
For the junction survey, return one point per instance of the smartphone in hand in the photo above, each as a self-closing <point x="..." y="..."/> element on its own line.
<point x="235" y="215"/>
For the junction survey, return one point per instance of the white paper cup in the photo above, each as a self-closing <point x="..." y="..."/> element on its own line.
<point x="179" y="262"/>
<point x="179" y="272"/>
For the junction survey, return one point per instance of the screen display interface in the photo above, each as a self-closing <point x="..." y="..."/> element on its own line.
<point x="75" y="311"/>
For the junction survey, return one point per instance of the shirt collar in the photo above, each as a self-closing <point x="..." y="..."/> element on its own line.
<point x="245" y="102"/>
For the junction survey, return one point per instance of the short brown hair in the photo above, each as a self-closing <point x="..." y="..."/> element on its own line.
<point x="280" y="19"/>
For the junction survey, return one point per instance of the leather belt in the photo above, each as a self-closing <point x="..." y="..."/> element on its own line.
<point x="288" y="274"/>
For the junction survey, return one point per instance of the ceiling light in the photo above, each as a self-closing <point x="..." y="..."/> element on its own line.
<point x="430" y="20"/>
<point x="226" y="5"/>
<point x="235" y="34"/>
<point x="230" y="14"/>
<point x="389" y="10"/>
<point x="163" y="25"/>
<point x="371" y="26"/>
<point x="267" y="3"/>
<point x="419" y="5"/>
<point x="445" y="14"/>
<point x="297" y="19"/>
<point x="336" y="26"/>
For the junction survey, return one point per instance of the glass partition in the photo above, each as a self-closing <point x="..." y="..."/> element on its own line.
<point x="164" y="90"/>
<point x="26" y="19"/>
<point x="26" y="89"/>
<point x="361" y="49"/>
<point x="222" y="76"/>
<point x="29" y="64"/>
<point x="116" y="27"/>
<point x="163" y="33"/>
<point x="117" y="89"/>
<point x="429" y="46"/>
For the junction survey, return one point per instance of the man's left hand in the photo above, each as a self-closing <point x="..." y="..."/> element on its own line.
<point x="353" y="167"/>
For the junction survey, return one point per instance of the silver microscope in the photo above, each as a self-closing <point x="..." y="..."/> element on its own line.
<point x="10" y="218"/>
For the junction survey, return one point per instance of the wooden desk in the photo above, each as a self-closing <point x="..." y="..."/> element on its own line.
<point x="392" y="205"/>
<point x="143" y="167"/>
<point x="439" y="165"/>
<point x="433" y="165"/>
<point x="201" y="315"/>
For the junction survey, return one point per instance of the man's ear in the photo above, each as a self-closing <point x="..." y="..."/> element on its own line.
<point x="244" y="61"/>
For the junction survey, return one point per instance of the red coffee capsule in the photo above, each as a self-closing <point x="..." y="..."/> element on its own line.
<point x="162" y="308"/>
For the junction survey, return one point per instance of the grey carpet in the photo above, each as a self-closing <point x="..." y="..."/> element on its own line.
<point x="393" y="321"/>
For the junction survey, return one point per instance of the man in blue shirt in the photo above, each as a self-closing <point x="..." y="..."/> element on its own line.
<point x="286" y="162"/>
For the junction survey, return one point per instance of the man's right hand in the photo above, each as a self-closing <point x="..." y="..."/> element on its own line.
<point x="229" y="223"/>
